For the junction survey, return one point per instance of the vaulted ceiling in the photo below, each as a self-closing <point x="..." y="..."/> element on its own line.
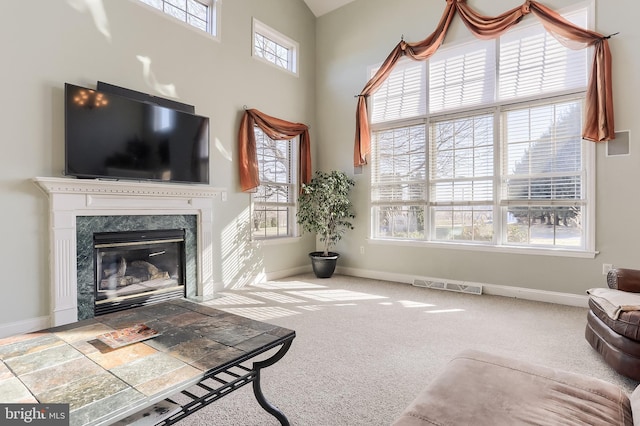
<point x="320" y="7"/>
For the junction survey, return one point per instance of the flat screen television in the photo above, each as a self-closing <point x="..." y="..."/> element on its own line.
<point x="110" y="136"/>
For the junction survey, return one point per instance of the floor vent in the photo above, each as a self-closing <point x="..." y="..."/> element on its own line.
<point x="460" y="287"/>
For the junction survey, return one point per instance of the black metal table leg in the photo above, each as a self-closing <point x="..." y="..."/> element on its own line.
<point x="257" y="366"/>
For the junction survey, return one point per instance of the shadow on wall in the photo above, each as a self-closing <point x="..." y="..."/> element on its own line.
<point x="241" y="262"/>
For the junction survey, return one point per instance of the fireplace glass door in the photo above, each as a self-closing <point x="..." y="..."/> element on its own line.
<point x="136" y="268"/>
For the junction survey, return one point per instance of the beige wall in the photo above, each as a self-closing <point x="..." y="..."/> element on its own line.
<point x="49" y="42"/>
<point x="362" y="34"/>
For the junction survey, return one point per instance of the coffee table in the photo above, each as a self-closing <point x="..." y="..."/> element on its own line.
<point x="199" y="355"/>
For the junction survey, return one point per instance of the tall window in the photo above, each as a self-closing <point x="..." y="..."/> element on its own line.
<point x="273" y="213"/>
<point x="274" y="48"/>
<point x="201" y="14"/>
<point x="482" y="145"/>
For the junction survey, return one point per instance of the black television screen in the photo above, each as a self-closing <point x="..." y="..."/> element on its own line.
<point x="116" y="137"/>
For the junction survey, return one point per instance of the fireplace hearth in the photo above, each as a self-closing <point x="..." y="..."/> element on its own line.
<point x="137" y="268"/>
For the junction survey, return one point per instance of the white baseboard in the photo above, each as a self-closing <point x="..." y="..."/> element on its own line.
<point x="26" y="326"/>
<point x="491" y="289"/>
<point x="276" y="275"/>
<point x="570" y="299"/>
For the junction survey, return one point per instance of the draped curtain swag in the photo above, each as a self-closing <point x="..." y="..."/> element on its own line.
<point x="598" y="124"/>
<point x="276" y="129"/>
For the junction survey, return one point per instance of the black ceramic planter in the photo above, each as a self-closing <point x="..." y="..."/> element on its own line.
<point x="323" y="266"/>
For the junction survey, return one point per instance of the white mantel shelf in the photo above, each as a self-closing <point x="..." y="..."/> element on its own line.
<point x="53" y="185"/>
<point x="70" y="197"/>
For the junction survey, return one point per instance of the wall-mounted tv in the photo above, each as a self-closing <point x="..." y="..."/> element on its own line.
<point x="110" y="136"/>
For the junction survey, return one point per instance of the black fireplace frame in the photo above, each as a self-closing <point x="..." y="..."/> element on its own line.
<point x="141" y="237"/>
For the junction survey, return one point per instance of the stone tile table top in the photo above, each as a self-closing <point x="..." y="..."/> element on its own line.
<point x="69" y="365"/>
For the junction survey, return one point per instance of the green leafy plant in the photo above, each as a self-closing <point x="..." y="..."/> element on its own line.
<point x="324" y="207"/>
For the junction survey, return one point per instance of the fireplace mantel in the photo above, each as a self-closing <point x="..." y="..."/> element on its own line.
<point x="104" y="187"/>
<point x="69" y="198"/>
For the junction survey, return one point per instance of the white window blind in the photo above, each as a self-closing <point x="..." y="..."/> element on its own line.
<point x="274" y="166"/>
<point x="402" y="95"/>
<point x="483" y="145"/>
<point x="274" y="201"/>
<point x="462" y="160"/>
<point x="542" y="162"/>
<point x="398" y="169"/>
<point x="462" y="76"/>
<point x="533" y="62"/>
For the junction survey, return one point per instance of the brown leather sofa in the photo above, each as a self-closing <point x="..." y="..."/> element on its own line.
<point x="617" y="337"/>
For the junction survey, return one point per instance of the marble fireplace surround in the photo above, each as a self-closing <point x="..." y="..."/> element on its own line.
<point x="70" y="198"/>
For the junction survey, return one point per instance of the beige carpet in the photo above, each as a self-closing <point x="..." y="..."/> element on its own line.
<point x="364" y="348"/>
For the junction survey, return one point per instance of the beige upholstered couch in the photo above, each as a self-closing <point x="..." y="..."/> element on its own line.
<point x="477" y="388"/>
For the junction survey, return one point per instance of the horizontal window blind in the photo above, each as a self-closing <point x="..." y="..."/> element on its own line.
<point x="274" y="167"/>
<point x="402" y="95"/>
<point x="273" y="203"/>
<point x="483" y="145"/>
<point x="461" y="160"/>
<point x="533" y="62"/>
<point x="399" y="164"/>
<point x="542" y="161"/>
<point x="462" y="76"/>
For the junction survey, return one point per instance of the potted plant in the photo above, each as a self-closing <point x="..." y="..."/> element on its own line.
<point x="324" y="207"/>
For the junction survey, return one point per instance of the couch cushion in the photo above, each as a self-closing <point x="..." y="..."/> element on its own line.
<point x="619" y="352"/>
<point x="478" y="388"/>
<point x="627" y="323"/>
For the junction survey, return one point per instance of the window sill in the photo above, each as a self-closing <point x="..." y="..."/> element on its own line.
<point x="275" y="241"/>
<point x="542" y="251"/>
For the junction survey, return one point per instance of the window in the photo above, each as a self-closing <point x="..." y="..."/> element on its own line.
<point x="201" y="14"/>
<point x="461" y="177"/>
<point x="274" y="48"/>
<point x="273" y="212"/>
<point x="481" y="145"/>
<point x="543" y="175"/>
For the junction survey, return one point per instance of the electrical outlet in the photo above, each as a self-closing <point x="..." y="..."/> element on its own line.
<point x="361" y="249"/>
<point x="606" y="267"/>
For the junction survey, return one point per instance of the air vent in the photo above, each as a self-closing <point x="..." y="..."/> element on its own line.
<point x="460" y="287"/>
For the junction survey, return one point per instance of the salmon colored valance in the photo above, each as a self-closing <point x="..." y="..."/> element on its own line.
<point x="598" y="124"/>
<point x="276" y="129"/>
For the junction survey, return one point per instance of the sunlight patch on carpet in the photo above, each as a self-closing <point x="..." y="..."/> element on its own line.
<point x="262" y="314"/>
<point x="277" y="297"/>
<point x="233" y="299"/>
<point x="335" y="295"/>
<point x="444" y="311"/>
<point x="312" y="308"/>
<point x="411" y="304"/>
<point x="286" y="285"/>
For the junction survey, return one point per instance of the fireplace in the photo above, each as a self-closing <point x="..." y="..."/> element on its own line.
<point x="119" y="206"/>
<point x="137" y="268"/>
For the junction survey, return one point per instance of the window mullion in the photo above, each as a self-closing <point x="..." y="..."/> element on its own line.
<point x="498" y="217"/>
